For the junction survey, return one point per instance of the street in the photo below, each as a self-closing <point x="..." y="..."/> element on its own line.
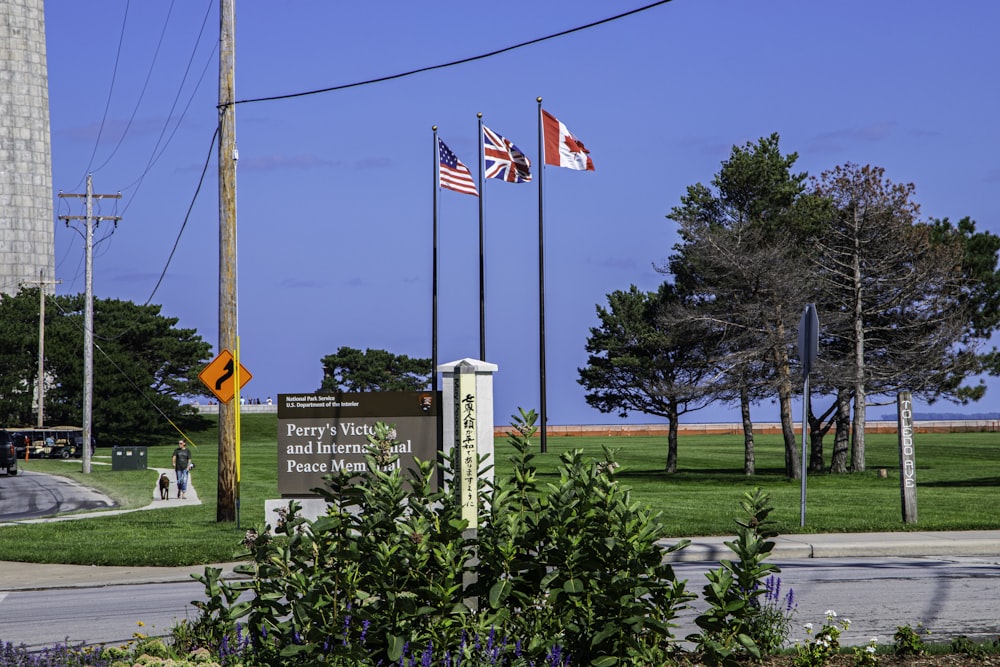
<point x="31" y="495"/>
<point x="946" y="597"/>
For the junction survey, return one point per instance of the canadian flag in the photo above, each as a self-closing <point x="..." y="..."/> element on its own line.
<point x="562" y="149"/>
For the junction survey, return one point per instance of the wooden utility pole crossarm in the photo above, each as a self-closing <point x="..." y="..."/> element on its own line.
<point x="40" y="389"/>
<point x="88" y="314"/>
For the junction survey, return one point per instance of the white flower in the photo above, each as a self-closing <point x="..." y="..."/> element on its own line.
<point x="831" y="613"/>
<point x="870" y="648"/>
<point x="808" y="627"/>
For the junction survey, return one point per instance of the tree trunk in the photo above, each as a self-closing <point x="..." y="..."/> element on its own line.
<point x="672" y="437"/>
<point x="749" y="457"/>
<point x="816" y="433"/>
<point x="785" y="403"/>
<point x="858" y="431"/>
<point x="841" y="440"/>
<point x="858" y="435"/>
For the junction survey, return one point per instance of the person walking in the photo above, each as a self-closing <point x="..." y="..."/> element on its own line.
<point x="182" y="466"/>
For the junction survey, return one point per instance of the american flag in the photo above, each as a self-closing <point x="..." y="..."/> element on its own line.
<point x="452" y="174"/>
<point x="503" y="159"/>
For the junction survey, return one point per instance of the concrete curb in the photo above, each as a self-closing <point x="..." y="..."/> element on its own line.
<point x="852" y="545"/>
<point x="17" y="576"/>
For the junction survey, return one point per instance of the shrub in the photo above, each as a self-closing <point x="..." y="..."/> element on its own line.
<point x="907" y="641"/>
<point x="866" y="656"/>
<point x="578" y="561"/>
<point x="736" y="624"/>
<point x="573" y="571"/>
<point x="825" y="643"/>
<point x="965" y="646"/>
<point x="770" y="620"/>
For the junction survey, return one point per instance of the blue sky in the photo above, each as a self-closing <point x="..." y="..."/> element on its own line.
<point x="335" y="190"/>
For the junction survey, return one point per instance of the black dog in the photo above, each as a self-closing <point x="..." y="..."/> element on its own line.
<point x="164" y="486"/>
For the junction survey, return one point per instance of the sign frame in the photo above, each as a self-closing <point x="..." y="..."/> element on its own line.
<point x="320" y="434"/>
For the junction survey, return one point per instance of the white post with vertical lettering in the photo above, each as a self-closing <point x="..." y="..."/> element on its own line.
<point x="907" y="461"/>
<point x="467" y="433"/>
<point x="467" y="427"/>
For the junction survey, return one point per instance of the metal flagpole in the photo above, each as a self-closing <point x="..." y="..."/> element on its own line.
<point x="543" y="443"/>
<point x="434" y="263"/>
<point x="482" y="254"/>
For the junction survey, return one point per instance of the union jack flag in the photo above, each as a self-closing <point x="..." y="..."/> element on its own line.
<point x="503" y="159"/>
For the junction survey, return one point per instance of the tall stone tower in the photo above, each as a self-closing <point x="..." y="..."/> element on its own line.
<point x="27" y="226"/>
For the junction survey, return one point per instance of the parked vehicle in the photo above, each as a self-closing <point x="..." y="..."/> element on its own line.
<point x="52" y="442"/>
<point x="8" y="457"/>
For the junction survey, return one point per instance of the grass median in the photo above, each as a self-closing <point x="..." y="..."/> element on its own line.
<point x="957" y="482"/>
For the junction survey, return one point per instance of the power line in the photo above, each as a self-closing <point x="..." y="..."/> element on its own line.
<point x="187" y="71"/>
<point x="354" y="85"/>
<point x="107" y="103"/>
<point x="187" y="216"/>
<point x="453" y="63"/>
<point x="145" y="85"/>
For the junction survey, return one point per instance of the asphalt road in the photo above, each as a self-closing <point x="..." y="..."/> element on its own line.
<point x="943" y="583"/>
<point x="944" y="597"/>
<point x="30" y="495"/>
<point x="98" y="615"/>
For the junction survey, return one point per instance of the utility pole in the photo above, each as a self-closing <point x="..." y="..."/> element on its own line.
<point x="88" y="312"/>
<point x="41" y="341"/>
<point x="226" y="507"/>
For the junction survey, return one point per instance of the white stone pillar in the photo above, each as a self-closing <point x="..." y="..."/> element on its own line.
<point x="467" y="427"/>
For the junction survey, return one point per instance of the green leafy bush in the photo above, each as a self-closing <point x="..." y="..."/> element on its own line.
<point x="573" y="571"/>
<point x="908" y="641"/>
<point x="770" y="620"/>
<point x="824" y="644"/>
<point x="576" y="561"/>
<point x="736" y="624"/>
<point x="867" y="655"/>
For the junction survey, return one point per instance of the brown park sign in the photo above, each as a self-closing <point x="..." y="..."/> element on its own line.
<point x="320" y="434"/>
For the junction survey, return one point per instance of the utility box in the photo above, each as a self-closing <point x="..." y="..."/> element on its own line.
<point x="128" y="458"/>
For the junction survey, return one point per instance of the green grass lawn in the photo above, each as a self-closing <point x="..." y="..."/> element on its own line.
<point x="957" y="479"/>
